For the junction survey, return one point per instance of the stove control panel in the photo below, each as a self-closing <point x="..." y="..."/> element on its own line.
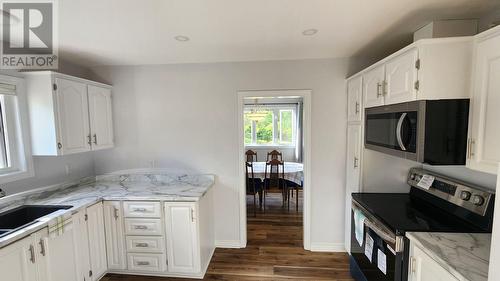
<point x="473" y="198"/>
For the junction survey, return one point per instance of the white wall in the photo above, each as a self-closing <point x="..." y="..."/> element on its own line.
<point x="386" y="173"/>
<point x="49" y="169"/>
<point x="185" y="117"/>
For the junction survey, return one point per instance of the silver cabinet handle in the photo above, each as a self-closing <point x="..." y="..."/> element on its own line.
<point x="142" y="263"/>
<point x="89" y="137"/>
<point x="32" y="254"/>
<point x="140" y="227"/>
<point x="116" y="213"/>
<point x="357" y="108"/>
<point x="398" y="131"/>
<point x="470" y="148"/>
<point x="384" y="88"/>
<point x="356" y="162"/>
<point x="142" y="210"/>
<point x="413" y="262"/>
<point x="142" y="245"/>
<point x="379" y="92"/>
<point x="95" y="138"/>
<point x="42" y="247"/>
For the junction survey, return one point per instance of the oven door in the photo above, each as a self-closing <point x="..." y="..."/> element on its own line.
<point x="393" y="130"/>
<point x="381" y="259"/>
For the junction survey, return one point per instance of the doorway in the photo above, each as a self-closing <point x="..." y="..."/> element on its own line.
<point x="275" y="120"/>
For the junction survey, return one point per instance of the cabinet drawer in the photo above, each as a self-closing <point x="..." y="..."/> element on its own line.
<point x="146" y="262"/>
<point x="142" y="209"/>
<point x="143" y="227"/>
<point x="145" y="244"/>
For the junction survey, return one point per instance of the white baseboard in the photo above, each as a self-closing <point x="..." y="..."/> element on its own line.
<point x="228" y="244"/>
<point x="327" y="247"/>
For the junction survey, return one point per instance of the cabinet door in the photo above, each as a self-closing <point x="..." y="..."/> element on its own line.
<point x="56" y="248"/>
<point x="101" y="122"/>
<point x="182" y="237"/>
<point x="373" y="83"/>
<point x="73" y="116"/>
<point x="115" y="240"/>
<point x="484" y="151"/>
<point x="17" y="261"/>
<point x="353" y="174"/>
<point x="400" y="78"/>
<point x="424" y="268"/>
<point x="82" y="245"/>
<point x="97" y="243"/>
<point x="354" y="92"/>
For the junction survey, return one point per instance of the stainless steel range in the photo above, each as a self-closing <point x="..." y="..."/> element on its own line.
<point x="434" y="204"/>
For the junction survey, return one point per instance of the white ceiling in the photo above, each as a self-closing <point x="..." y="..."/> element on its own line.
<point x="133" y="32"/>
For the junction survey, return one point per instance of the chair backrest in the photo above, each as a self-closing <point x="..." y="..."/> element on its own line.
<point x="250" y="182"/>
<point x="274" y="155"/>
<point x="251" y="156"/>
<point x="275" y="173"/>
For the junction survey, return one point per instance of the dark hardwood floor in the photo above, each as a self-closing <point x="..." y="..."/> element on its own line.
<point x="274" y="251"/>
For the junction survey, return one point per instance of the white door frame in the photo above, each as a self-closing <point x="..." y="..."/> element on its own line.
<point x="306" y="131"/>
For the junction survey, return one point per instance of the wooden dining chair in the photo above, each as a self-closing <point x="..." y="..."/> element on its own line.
<point x="251" y="156"/>
<point x="253" y="186"/>
<point x="291" y="187"/>
<point x="274" y="177"/>
<point x="274" y="155"/>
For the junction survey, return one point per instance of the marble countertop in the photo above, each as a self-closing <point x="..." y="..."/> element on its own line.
<point x="88" y="191"/>
<point x="465" y="255"/>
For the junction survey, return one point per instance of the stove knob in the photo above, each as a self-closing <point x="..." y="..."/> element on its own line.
<point x="477" y="200"/>
<point x="465" y="195"/>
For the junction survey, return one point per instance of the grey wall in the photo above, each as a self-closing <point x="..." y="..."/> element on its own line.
<point x="185" y="117"/>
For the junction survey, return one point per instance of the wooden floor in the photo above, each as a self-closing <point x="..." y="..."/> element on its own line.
<point x="274" y="251"/>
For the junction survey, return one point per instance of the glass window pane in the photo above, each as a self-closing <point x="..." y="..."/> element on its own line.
<point x="286" y="127"/>
<point x="264" y="128"/>
<point x="247" y="129"/>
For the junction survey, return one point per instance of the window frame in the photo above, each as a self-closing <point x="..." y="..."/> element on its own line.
<point x="17" y="135"/>
<point x="276" y="109"/>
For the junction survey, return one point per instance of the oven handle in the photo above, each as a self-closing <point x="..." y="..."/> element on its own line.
<point x="380" y="232"/>
<point x="398" y="131"/>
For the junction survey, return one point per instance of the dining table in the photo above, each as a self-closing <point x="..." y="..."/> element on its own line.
<point x="294" y="171"/>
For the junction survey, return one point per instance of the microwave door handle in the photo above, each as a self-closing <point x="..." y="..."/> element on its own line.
<point x="399" y="128"/>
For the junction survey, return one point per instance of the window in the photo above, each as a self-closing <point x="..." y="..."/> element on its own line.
<point x="276" y="125"/>
<point x="15" y="153"/>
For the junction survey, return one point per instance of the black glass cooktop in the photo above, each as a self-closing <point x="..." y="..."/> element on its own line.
<point x="402" y="212"/>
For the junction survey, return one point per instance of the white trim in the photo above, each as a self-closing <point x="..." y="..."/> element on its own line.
<point x="328" y="247"/>
<point x="306" y="96"/>
<point x="232" y="244"/>
<point x="21" y="147"/>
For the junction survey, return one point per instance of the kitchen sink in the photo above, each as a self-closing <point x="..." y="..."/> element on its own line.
<point x="23" y="216"/>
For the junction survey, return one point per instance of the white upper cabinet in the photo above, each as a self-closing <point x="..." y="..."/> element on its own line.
<point x="68" y="114"/>
<point x="400" y="78"/>
<point x="354" y="93"/>
<point x="373" y="86"/>
<point x="484" y="128"/>
<point x="428" y="69"/>
<point x="73" y="116"/>
<point x="101" y="120"/>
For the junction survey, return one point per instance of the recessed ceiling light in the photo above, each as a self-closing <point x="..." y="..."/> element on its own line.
<point x="309" y="32"/>
<point x="181" y="38"/>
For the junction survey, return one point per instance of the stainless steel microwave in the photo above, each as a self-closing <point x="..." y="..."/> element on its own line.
<point x="427" y="131"/>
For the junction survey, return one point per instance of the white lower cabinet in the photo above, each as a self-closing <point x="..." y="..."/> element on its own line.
<point x="16" y="262"/>
<point x="115" y="237"/>
<point x="97" y="241"/>
<point x="424" y="268"/>
<point x="182" y="237"/>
